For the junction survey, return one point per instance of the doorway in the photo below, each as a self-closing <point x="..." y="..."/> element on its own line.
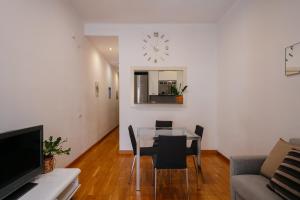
<point x="106" y="78"/>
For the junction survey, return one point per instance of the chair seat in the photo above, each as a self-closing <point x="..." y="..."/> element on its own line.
<point x="190" y="151"/>
<point x="147" y="151"/>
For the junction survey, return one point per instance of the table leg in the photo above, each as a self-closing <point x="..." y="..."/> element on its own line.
<point x="138" y="179"/>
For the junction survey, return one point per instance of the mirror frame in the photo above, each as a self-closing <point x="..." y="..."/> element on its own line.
<point x="159" y="68"/>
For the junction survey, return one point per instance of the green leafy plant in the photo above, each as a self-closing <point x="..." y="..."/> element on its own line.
<point x="54" y="147"/>
<point x="178" y="91"/>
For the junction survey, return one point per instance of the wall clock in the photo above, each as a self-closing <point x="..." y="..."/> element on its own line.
<point x="155" y="47"/>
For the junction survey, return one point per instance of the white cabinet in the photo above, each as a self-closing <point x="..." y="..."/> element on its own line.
<point x="172" y="75"/>
<point x="155" y="76"/>
<point x="153" y="82"/>
<point x="60" y="184"/>
<point x="168" y="75"/>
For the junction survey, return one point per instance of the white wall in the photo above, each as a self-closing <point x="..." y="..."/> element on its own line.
<point x="257" y="103"/>
<point x="47" y="77"/>
<point x="192" y="46"/>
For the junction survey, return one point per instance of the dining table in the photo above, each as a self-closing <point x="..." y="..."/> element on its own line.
<point x="147" y="135"/>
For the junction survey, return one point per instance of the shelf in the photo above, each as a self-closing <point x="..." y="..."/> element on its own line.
<point x="61" y="184"/>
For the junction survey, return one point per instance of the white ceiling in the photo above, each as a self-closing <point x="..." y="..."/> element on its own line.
<point x="103" y="45"/>
<point x="152" y="11"/>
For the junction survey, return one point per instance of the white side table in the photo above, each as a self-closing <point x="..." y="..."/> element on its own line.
<point x="60" y="184"/>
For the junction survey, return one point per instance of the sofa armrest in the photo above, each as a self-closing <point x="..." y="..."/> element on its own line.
<point x="246" y="164"/>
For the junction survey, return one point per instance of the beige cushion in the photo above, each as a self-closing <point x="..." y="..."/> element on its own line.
<point x="275" y="158"/>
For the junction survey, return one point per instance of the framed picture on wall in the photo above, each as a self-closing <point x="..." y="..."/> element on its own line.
<point x="109" y="92"/>
<point x="292" y="59"/>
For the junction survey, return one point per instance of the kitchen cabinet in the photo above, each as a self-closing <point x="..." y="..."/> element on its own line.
<point x="167" y="75"/>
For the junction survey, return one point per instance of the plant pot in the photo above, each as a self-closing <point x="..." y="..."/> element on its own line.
<point x="49" y="164"/>
<point x="179" y="99"/>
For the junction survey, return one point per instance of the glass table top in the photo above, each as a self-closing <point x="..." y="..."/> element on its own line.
<point x="146" y="135"/>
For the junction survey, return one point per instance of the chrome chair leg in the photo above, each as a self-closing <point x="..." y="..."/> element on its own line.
<point x="155" y="182"/>
<point x="201" y="172"/>
<point x="198" y="161"/>
<point x="132" y="168"/>
<point x="197" y="171"/>
<point x="170" y="176"/>
<point x="196" y="165"/>
<point x="200" y="168"/>
<point x="153" y="175"/>
<point x="187" y="182"/>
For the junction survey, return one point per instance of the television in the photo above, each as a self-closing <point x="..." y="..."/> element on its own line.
<point x="21" y="159"/>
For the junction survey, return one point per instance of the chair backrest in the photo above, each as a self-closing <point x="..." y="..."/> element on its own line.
<point x="132" y="139"/>
<point x="163" y="124"/>
<point x="198" y="131"/>
<point x="171" y="152"/>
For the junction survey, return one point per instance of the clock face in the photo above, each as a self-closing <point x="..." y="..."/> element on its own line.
<point x="155" y="47"/>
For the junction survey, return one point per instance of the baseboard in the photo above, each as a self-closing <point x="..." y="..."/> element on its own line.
<point x="223" y="157"/>
<point x="129" y="152"/>
<point x="125" y="152"/>
<point x="203" y="152"/>
<point x="90" y="148"/>
<point x="208" y="152"/>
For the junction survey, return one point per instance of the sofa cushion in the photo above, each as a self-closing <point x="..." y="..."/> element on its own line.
<point x="253" y="187"/>
<point x="286" y="180"/>
<point x="275" y="158"/>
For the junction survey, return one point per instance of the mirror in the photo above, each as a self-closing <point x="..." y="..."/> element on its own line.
<point x="158" y="86"/>
<point x="292" y="59"/>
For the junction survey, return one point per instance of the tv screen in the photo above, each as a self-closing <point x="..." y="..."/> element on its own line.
<point x="21" y="158"/>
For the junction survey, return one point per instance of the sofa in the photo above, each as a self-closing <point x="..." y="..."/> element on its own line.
<point x="246" y="181"/>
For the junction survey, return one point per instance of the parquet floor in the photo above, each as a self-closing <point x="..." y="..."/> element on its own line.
<point x="104" y="176"/>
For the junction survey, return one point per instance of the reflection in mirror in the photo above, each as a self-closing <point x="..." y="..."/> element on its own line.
<point x="157" y="86"/>
<point x="292" y="59"/>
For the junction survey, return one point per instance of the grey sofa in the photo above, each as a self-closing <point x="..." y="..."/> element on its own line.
<point x="246" y="181"/>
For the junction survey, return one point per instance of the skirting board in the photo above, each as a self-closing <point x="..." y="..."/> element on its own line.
<point x="223" y="157"/>
<point x="89" y="149"/>
<point x="203" y="153"/>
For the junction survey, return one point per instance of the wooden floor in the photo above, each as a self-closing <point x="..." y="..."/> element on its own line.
<point x="104" y="175"/>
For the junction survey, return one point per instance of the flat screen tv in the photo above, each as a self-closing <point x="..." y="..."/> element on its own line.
<point x="21" y="158"/>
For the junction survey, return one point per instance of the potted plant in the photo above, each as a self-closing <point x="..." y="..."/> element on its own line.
<point x="178" y="92"/>
<point x="51" y="148"/>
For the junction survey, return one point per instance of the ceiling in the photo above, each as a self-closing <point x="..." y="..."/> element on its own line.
<point x="152" y="11"/>
<point x="108" y="47"/>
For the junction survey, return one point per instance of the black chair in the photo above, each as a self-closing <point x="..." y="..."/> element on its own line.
<point x="144" y="151"/>
<point x="163" y="124"/>
<point x="170" y="154"/>
<point x="159" y="125"/>
<point x="193" y="149"/>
